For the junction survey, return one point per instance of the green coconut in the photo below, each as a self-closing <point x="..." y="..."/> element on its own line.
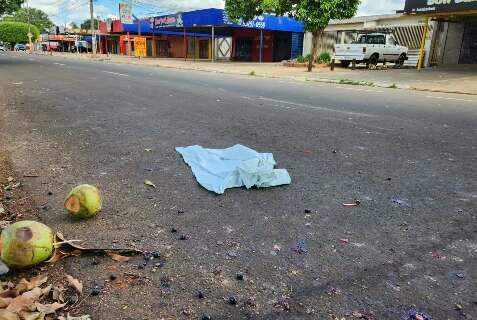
<point x="84" y="201"/>
<point x="26" y="243"/>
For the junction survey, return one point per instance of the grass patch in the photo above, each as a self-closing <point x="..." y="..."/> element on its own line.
<point x="252" y="73"/>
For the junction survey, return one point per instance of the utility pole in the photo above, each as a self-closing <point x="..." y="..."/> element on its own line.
<point x="93" y="36"/>
<point x="29" y="34"/>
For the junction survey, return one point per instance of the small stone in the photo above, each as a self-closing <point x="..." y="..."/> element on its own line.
<point x="50" y="193"/>
<point x="180" y="211"/>
<point x="334" y="151"/>
<point x="183" y="237"/>
<point x="141" y="266"/>
<point x="95" y="262"/>
<point x="112" y="277"/>
<point x="173" y="230"/>
<point x="389" y="179"/>
<point x="239" y="277"/>
<point x="460" y="275"/>
<point x="233" y="301"/>
<point x="96" y="291"/>
<point x="307" y="211"/>
<point x="205" y="316"/>
<point x="200" y="295"/>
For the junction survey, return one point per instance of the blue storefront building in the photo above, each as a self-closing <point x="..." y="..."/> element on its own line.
<point x="210" y="35"/>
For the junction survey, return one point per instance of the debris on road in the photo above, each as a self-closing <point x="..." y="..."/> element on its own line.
<point x="354" y="204"/>
<point x="300" y="247"/>
<point x="219" y="169"/>
<point x="28" y="299"/>
<point x="26" y="243"/>
<point x="118" y="257"/>
<point x="415" y="315"/>
<point x="149" y="183"/>
<point x="400" y="202"/>
<point x="84" y="201"/>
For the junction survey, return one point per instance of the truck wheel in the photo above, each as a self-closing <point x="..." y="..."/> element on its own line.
<point x="373" y="61"/>
<point x="345" y="64"/>
<point x="401" y="60"/>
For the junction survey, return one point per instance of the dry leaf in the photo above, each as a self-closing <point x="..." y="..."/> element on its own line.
<point x="59" y="293"/>
<point x="8" y="315"/>
<point x="46" y="291"/>
<point x="75" y="283"/>
<point x="118" y="257"/>
<point x="25" y="302"/>
<point x="32" y="315"/>
<point x="150" y="183"/>
<point x="25" y="285"/>
<point x="10" y="293"/>
<point x="68" y="317"/>
<point x="49" y="308"/>
<point x="4" y="302"/>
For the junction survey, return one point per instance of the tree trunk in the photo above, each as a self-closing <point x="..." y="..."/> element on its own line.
<point x="316" y="38"/>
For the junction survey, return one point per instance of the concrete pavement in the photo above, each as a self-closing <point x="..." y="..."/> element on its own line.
<point x="409" y="158"/>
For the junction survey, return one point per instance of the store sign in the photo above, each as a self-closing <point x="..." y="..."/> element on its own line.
<point x="140" y="48"/>
<point x="125" y="12"/>
<point x="430" y="6"/>
<point x="256" y="23"/>
<point x="170" y="21"/>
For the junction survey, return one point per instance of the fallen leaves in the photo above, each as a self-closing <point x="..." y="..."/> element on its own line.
<point x="31" y="299"/>
<point x="118" y="257"/>
<point x="75" y="283"/>
<point x="149" y="183"/>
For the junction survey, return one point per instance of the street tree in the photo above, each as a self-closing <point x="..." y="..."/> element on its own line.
<point x="9" y="6"/>
<point x="17" y="32"/>
<point x="36" y="17"/>
<point x="86" y="25"/>
<point x="73" y="25"/>
<point x="315" y="14"/>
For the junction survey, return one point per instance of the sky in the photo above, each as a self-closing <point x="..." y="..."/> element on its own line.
<point x="64" y="11"/>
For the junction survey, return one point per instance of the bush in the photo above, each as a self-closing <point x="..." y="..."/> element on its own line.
<point x="324" y="57"/>
<point x="17" y="32"/>
<point x="300" y="59"/>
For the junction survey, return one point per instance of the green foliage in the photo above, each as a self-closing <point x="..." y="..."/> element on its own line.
<point x="324" y="57"/>
<point x="9" y="6"/>
<point x="87" y="24"/>
<point x="252" y="73"/>
<point x="314" y="14"/>
<point x="73" y="25"/>
<point x="301" y="59"/>
<point x="16" y="32"/>
<point x="36" y="17"/>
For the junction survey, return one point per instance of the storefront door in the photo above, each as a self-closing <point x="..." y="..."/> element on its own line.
<point x="244" y="49"/>
<point x="468" y="53"/>
<point x="204" y="49"/>
<point x="163" y="48"/>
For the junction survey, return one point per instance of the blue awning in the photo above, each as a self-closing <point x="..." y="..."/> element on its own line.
<point x="146" y="29"/>
<point x="214" y="17"/>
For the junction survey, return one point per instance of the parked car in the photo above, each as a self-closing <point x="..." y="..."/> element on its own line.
<point x="2" y="47"/>
<point x="20" y="47"/>
<point x="371" y="49"/>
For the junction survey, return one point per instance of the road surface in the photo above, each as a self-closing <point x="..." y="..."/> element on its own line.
<point x="408" y="157"/>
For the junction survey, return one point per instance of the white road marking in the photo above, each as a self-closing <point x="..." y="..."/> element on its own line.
<point x="59" y="64"/>
<point x="361" y="90"/>
<point x="315" y="107"/>
<point x="116" y="73"/>
<point x="448" y="98"/>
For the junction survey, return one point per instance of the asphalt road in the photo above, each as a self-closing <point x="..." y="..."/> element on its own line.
<point x="409" y="157"/>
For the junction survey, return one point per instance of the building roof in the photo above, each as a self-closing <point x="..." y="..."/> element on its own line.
<point x="363" y="19"/>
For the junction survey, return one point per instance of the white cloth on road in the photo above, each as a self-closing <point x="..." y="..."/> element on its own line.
<point x="237" y="166"/>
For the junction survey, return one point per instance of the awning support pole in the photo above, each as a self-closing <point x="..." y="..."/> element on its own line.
<point x="213" y="44"/>
<point x="423" y="44"/>
<point x="261" y="44"/>
<point x="185" y="45"/>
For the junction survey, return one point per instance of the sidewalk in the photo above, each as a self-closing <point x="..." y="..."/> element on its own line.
<point x="460" y="79"/>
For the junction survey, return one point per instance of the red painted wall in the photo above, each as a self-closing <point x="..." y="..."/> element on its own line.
<point x="267" y="50"/>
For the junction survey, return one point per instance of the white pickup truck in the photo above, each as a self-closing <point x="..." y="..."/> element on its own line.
<point x="371" y="48"/>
